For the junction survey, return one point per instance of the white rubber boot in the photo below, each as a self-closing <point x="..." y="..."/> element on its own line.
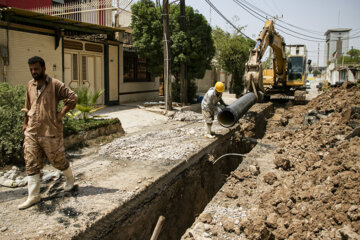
<point x="209" y="133"/>
<point x="34" y="192"/>
<point x="69" y="184"/>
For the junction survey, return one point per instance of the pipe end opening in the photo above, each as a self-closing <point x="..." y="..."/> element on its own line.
<point x="226" y="119"/>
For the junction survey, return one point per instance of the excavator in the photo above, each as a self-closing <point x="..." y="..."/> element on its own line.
<point x="288" y="74"/>
<point x="286" y="78"/>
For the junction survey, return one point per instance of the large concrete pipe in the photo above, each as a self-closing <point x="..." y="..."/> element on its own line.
<point x="232" y="113"/>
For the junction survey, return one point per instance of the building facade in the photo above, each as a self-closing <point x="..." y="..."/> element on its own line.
<point x="337" y="43"/>
<point x="80" y="54"/>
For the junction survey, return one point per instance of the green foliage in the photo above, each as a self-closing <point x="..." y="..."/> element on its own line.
<point x="237" y="82"/>
<point x="316" y="72"/>
<point x="191" y="91"/>
<point x="146" y="23"/>
<point x="194" y="47"/>
<point x="353" y="58"/>
<point x="74" y="126"/>
<point x="12" y="100"/>
<point x="232" y="52"/>
<point x="11" y="138"/>
<point x="86" y="102"/>
<point x="354" y="53"/>
<point x="348" y="60"/>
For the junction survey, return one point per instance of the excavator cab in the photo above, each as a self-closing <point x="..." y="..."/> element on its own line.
<point x="296" y="71"/>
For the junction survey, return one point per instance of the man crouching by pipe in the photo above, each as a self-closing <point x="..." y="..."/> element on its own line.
<point x="209" y="106"/>
<point x="43" y="128"/>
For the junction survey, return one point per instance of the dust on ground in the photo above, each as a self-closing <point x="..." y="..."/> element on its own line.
<point x="108" y="174"/>
<point x="302" y="181"/>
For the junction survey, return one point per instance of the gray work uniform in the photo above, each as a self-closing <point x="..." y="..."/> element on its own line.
<point x="209" y="104"/>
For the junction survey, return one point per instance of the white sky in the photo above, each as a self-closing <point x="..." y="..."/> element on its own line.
<point x="315" y="15"/>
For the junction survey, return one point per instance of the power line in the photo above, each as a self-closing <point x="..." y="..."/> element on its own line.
<point x="250" y="12"/>
<point x="267" y="14"/>
<point x="248" y="9"/>
<point x="356" y="32"/>
<point x="217" y="10"/>
<point x="309" y="40"/>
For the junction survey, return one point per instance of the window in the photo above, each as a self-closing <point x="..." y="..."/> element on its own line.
<point x="135" y="68"/>
<point x="75" y="67"/>
<point x="83" y="68"/>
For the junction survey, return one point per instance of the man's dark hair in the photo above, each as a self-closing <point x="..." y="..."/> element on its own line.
<point x="36" y="59"/>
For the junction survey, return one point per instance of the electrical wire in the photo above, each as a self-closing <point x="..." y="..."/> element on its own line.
<point x="248" y="9"/>
<point x="217" y="10"/>
<point x="268" y="14"/>
<point x="124" y="9"/>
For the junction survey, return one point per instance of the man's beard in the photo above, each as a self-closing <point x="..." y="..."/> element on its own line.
<point x="38" y="77"/>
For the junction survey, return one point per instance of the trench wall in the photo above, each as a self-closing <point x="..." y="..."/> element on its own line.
<point x="182" y="194"/>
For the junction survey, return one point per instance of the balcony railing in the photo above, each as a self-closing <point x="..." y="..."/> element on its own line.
<point x="99" y="12"/>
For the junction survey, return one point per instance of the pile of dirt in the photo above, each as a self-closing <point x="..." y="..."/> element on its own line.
<point x="318" y="195"/>
<point x="312" y="189"/>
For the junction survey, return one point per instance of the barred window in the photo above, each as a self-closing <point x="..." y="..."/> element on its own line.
<point x="135" y="68"/>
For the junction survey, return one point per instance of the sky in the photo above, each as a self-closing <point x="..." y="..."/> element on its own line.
<point x="315" y="16"/>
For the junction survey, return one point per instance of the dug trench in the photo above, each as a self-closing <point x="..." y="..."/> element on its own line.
<point x="181" y="195"/>
<point x="125" y="185"/>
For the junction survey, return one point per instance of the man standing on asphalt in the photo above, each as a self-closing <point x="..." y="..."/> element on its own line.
<point x="209" y="106"/>
<point x="43" y="128"/>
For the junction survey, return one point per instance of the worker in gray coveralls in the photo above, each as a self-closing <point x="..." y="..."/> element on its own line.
<point x="209" y="106"/>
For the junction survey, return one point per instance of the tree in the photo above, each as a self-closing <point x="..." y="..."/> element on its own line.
<point x="354" y="53"/>
<point x="232" y="52"/>
<point x="147" y="34"/>
<point x="194" y="47"/>
<point x="316" y="72"/>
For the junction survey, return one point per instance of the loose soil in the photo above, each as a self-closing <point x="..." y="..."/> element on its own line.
<point x="301" y="181"/>
<point x="109" y="173"/>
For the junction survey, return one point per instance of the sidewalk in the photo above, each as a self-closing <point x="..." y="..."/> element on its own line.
<point x="133" y="118"/>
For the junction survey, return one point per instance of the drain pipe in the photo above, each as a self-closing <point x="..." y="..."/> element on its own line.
<point x="232" y="113"/>
<point x="158" y="227"/>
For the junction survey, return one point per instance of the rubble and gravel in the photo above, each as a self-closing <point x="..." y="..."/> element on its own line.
<point x="155" y="146"/>
<point x="308" y="187"/>
<point x="162" y="146"/>
<point x="188" y="116"/>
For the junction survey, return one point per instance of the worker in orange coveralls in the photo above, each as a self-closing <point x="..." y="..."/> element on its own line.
<point x="43" y="128"/>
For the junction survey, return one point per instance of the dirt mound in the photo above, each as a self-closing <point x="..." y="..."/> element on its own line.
<point x="318" y="195"/>
<point x="308" y="188"/>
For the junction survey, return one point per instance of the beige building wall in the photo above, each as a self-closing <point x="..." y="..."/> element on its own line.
<point x="207" y="81"/>
<point x="138" y="91"/>
<point x="3" y="42"/>
<point x="210" y="78"/>
<point x="113" y="73"/>
<point x="24" y="45"/>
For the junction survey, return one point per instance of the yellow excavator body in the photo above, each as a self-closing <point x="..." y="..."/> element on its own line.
<point x="287" y="73"/>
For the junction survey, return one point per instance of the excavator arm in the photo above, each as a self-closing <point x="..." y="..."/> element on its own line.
<point x="253" y="69"/>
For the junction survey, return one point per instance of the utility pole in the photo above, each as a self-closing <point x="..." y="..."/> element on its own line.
<point x="183" y="78"/>
<point x="117" y="15"/>
<point x="318" y="55"/>
<point x="167" y="82"/>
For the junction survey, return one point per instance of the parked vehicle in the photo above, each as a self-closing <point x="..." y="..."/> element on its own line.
<point x="319" y="86"/>
<point x="307" y="84"/>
